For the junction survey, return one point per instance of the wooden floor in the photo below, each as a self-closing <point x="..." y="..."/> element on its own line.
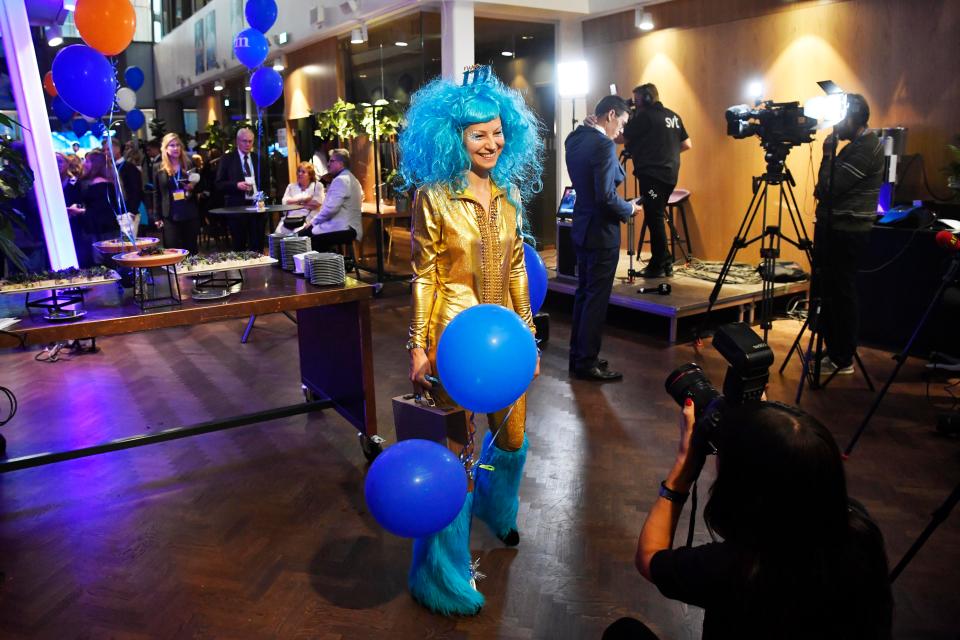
<point x="262" y="531"/>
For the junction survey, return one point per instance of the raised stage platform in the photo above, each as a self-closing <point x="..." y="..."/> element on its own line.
<point x="690" y="296"/>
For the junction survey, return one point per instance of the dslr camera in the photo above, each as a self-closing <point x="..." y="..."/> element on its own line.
<point x="774" y="122"/>
<point x="749" y="359"/>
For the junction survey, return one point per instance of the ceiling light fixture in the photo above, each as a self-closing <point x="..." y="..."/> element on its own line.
<point x="226" y="102"/>
<point x="506" y="54"/>
<point x="358" y="35"/>
<point x="643" y="20"/>
<point x="54" y="36"/>
<point x="278" y="65"/>
<point x="400" y="43"/>
<point x="218" y="85"/>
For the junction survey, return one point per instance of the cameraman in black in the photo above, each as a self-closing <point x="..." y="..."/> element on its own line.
<point x="797" y="559"/>
<point x="847" y="191"/>
<point x="655" y="137"/>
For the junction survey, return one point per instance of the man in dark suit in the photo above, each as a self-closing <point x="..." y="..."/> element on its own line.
<point x="238" y="181"/>
<point x="598" y="211"/>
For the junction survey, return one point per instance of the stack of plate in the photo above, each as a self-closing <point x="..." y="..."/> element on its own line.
<point x="273" y="240"/>
<point x="291" y="246"/>
<point x="300" y="261"/>
<point x="324" y="269"/>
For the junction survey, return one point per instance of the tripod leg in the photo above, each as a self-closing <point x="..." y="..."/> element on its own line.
<point x="866" y="376"/>
<point x="796" y="344"/>
<point x="938" y="517"/>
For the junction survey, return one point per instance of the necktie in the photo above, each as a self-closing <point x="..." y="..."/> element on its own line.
<point x="247" y="171"/>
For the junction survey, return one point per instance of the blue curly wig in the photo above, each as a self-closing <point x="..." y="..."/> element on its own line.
<point x="431" y="145"/>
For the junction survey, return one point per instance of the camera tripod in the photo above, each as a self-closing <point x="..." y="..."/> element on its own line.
<point x="778" y="175"/>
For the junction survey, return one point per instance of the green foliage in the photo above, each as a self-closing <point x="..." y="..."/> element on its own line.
<point x="340" y="122"/>
<point x="216" y="137"/>
<point x="158" y="128"/>
<point x="16" y="179"/>
<point x="389" y="117"/>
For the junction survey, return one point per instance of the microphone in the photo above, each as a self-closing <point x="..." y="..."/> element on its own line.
<point x="948" y="240"/>
<point x="663" y="289"/>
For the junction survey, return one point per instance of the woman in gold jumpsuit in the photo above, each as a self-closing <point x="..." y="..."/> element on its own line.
<point x="473" y="152"/>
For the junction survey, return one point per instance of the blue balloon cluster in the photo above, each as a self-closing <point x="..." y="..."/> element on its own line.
<point x="134" y="77"/>
<point x="415" y="488"/>
<point x="84" y="79"/>
<point x="251" y="48"/>
<point x="261" y="14"/>
<point x="486" y="358"/>
<point x="79" y="127"/>
<point x="98" y="129"/>
<point x="62" y="110"/>
<point x="266" y="86"/>
<point x="536" y="277"/>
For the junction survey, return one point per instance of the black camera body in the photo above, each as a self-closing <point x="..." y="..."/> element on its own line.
<point x="775" y="122"/>
<point x="749" y="358"/>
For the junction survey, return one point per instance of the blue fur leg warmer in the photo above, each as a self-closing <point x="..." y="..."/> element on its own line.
<point x="495" y="493"/>
<point x="440" y="573"/>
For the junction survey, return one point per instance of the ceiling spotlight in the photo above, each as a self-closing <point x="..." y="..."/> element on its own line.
<point x="358" y="35"/>
<point x="246" y="88"/>
<point x="226" y="102"/>
<point x="400" y="43"/>
<point x="362" y="75"/>
<point x="642" y="19"/>
<point x="278" y="65"/>
<point x="349" y="6"/>
<point x="506" y="54"/>
<point x="218" y="85"/>
<point x="526" y="37"/>
<point x="54" y="36"/>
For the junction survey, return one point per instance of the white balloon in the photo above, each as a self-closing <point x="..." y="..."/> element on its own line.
<point x="127" y="98"/>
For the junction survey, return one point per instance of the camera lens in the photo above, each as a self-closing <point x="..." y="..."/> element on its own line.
<point x="689" y="381"/>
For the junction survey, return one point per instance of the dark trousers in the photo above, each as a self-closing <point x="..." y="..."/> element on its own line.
<point x="839" y="258"/>
<point x="628" y="629"/>
<point x="596" y="270"/>
<point x="327" y="242"/>
<point x="248" y="231"/>
<point x="655" y="195"/>
<point x="181" y="234"/>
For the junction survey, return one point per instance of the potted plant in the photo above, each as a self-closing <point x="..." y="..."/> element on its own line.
<point x="16" y="180"/>
<point x="339" y="122"/>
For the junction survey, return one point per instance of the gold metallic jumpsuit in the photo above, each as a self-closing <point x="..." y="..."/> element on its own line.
<point x="464" y="256"/>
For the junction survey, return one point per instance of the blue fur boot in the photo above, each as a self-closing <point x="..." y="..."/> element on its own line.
<point x="441" y="572"/>
<point x="495" y="493"/>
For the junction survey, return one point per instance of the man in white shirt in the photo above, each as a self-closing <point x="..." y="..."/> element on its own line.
<point x="339" y="220"/>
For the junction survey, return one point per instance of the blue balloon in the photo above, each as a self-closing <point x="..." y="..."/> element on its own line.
<point x="415" y="488"/>
<point x="134" y="77"/>
<point x="261" y="14"/>
<point x="97" y="129"/>
<point x="251" y="48"/>
<point x="266" y="86"/>
<point x="486" y="358"/>
<point x="84" y="79"/>
<point x="536" y="277"/>
<point x="135" y="119"/>
<point x="79" y="126"/>
<point x="61" y="109"/>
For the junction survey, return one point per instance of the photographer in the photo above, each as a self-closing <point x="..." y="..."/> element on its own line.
<point x="655" y="137"/>
<point x="847" y="191"/>
<point x="796" y="560"/>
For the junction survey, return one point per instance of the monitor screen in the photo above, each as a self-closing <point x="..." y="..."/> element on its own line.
<point x="565" y="210"/>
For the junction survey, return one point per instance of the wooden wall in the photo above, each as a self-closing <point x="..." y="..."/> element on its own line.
<point x="902" y="56"/>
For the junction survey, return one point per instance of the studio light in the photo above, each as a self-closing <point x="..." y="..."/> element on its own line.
<point x="573" y="79"/>
<point x="218" y="85"/>
<point x="755" y="89"/>
<point x="828" y="109"/>
<point x="643" y="20"/>
<point x="54" y="36"/>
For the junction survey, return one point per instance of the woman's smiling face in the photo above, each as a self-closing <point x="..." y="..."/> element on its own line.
<point x="484" y="141"/>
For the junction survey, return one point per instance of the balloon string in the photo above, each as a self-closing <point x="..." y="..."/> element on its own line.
<point x="485" y="453"/>
<point x="116" y="169"/>
<point x="260" y="148"/>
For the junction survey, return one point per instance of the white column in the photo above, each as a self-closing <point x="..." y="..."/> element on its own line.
<point x="569" y="49"/>
<point x="456" y="37"/>
<point x="32" y="114"/>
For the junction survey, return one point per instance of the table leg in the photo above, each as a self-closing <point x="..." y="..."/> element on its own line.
<point x="378" y="225"/>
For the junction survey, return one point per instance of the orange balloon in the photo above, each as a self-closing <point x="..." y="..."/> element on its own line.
<point x="48" y="84"/>
<point x="106" y="25"/>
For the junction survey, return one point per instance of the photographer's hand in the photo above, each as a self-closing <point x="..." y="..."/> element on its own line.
<point x="661" y="524"/>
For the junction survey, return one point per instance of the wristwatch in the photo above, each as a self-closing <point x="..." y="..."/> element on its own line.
<point x="671" y="495"/>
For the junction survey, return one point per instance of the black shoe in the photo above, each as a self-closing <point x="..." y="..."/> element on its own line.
<point x="601" y="364"/>
<point x="512" y="538"/>
<point x="665" y="271"/>
<point x="598" y="374"/>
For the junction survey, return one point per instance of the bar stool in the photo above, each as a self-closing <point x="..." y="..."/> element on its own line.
<point x="675" y="202"/>
<point x="349" y="257"/>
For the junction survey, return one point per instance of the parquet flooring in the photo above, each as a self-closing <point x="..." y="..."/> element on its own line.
<point x="262" y="531"/>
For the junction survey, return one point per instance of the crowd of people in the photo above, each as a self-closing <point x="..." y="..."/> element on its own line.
<point x="172" y="189"/>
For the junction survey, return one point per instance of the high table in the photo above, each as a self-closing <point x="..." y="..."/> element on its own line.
<point x="269" y="208"/>
<point x="385" y="212"/>
<point x="334" y="373"/>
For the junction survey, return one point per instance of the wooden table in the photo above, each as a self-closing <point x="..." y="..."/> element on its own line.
<point x="335" y="373"/>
